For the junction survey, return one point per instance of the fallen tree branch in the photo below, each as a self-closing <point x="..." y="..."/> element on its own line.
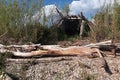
<point x="41" y="60"/>
<point x="100" y="43"/>
<point x="22" y="48"/>
<point x="29" y="54"/>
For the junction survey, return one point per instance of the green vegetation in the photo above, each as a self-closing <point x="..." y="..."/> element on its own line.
<point x="86" y="76"/>
<point x="15" y="20"/>
<point x="16" y="25"/>
<point x="116" y="21"/>
<point x="107" y="22"/>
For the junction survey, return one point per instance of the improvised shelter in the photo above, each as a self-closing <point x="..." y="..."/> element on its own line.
<point x="72" y="24"/>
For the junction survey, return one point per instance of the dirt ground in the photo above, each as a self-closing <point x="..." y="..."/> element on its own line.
<point x="63" y="68"/>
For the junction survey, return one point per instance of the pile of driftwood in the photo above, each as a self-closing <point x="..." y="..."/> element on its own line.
<point x="90" y="50"/>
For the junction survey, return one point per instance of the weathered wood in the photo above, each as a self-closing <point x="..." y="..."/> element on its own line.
<point x="81" y="51"/>
<point x="50" y="47"/>
<point x="41" y="60"/>
<point x="112" y="48"/>
<point x="31" y="50"/>
<point x="88" y="50"/>
<point x="100" y="43"/>
<point x="81" y="28"/>
<point x="25" y="48"/>
<point x="29" y="54"/>
<point x="61" y="15"/>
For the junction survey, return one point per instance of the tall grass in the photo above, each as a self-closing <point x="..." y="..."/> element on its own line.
<point x="107" y="23"/>
<point x="15" y="19"/>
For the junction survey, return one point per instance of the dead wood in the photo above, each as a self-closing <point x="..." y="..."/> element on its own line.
<point x="22" y="48"/>
<point x="37" y="49"/>
<point x="29" y="54"/>
<point x="61" y="15"/>
<point x="81" y="28"/>
<point x="89" y="50"/>
<point x="105" y="66"/>
<point x="31" y="50"/>
<point x="73" y="50"/>
<point x="99" y="44"/>
<point x="41" y="60"/>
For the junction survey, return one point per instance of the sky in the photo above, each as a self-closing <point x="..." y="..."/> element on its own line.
<point x="59" y="3"/>
<point x="88" y="7"/>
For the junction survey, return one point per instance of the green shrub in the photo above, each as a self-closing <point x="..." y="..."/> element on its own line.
<point x="14" y="16"/>
<point x="86" y="76"/>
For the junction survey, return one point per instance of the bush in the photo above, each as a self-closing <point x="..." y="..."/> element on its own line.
<point x="107" y="23"/>
<point x="14" y="16"/>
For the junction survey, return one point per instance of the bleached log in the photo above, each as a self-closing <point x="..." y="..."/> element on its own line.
<point x="54" y="50"/>
<point x="81" y="51"/>
<point x="29" y="54"/>
<point x="26" y="48"/>
<point x="50" y="47"/>
<point x="100" y="43"/>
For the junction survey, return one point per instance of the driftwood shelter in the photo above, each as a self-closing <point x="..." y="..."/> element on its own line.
<point x="73" y="24"/>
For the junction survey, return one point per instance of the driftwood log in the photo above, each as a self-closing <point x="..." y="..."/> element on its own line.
<point x="81" y="51"/>
<point x="37" y="49"/>
<point x="22" y="48"/>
